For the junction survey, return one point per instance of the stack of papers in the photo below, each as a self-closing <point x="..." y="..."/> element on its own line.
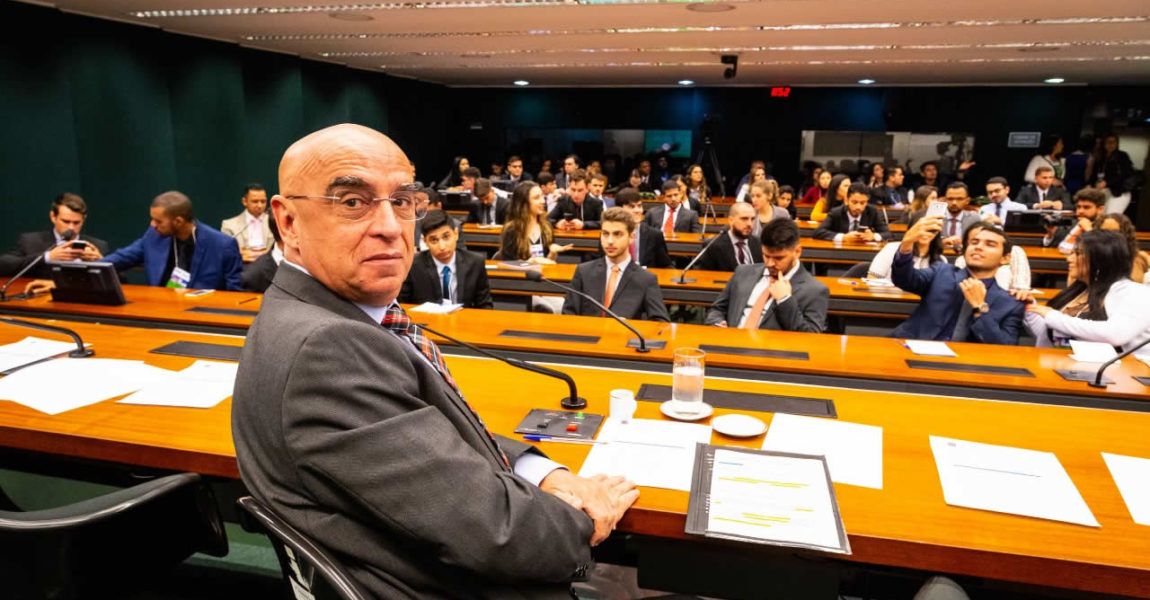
<point x="202" y="385"/>
<point x="56" y="386"/>
<point x="853" y="451"/>
<point x="30" y="350"/>
<point x="437" y="308"/>
<point x="1092" y="352"/>
<point x="1132" y="476"/>
<point x="1008" y="480"/>
<point x="652" y="453"/>
<point x="925" y="348"/>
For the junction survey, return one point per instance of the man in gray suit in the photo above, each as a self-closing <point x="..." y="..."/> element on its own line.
<point x="777" y="294"/>
<point x="616" y="281"/>
<point x="348" y="424"/>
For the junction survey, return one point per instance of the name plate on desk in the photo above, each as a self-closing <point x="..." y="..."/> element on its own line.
<point x="968" y="368"/>
<point x="795" y="405"/>
<point x="235" y="312"/>
<point x="763" y="352"/>
<point x="551" y="337"/>
<point x="200" y="350"/>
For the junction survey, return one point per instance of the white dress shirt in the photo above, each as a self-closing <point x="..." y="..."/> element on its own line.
<point x="757" y="291"/>
<point x="453" y="283"/>
<point x="1005" y="207"/>
<point x="255" y="230"/>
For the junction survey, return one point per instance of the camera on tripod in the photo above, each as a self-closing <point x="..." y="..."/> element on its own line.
<point x="1058" y="220"/>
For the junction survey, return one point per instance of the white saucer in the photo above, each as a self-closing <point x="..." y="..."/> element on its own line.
<point x="668" y="408"/>
<point x="741" y="426"/>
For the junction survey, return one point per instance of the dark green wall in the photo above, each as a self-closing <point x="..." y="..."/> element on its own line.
<point x="119" y="113"/>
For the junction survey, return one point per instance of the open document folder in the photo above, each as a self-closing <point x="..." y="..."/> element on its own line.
<point x="765" y="497"/>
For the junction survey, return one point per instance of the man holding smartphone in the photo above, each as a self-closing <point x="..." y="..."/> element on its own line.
<point x="68" y="213"/>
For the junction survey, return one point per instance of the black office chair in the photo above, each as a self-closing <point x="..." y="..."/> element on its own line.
<point x="108" y="546"/>
<point x="300" y="559"/>
<point x="857" y="271"/>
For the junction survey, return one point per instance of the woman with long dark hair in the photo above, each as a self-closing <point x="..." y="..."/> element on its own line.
<point x="527" y="234"/>
<point x="836" y="196"/>
<point x="1121" y="224"/>
<point x="1112" y="170"/>
<point x="925" y="255"/>
<point x="1101" y="305"/>
<point x="1049" y="155"/>
<point x="454" y="177"/>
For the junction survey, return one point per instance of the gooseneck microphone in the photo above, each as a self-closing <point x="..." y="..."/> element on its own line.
<point x="537" y="276"/>
<point x="572" y="402"/>
<point x="67" y="236"/>
<point x="79" y="352"/>
<point x="682" y="278"/>
<point x="1098" y="376"/>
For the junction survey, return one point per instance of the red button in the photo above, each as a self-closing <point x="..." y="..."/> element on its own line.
<point x="573" y="427"/>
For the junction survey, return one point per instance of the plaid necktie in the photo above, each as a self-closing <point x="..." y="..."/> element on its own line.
<point x="396" y="320"/>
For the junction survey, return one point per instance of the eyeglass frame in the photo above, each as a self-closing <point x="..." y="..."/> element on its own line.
<point x="406" y="187"/>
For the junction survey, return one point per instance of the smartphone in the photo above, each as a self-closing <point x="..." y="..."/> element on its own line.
<point x="198" y="293"/>
<point x="567" y="216"/>
<point x="936" y="209"/>
<point x="79" y="245"/>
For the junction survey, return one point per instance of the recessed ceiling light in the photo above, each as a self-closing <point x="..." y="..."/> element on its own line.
<point x="866" y="81"/>
<point x="686" y="82"/>
<point x="521" y="82"/>
<point x="1054" y="80"/>
<point x="350" y="16"/>
<point x="710" y="7"/>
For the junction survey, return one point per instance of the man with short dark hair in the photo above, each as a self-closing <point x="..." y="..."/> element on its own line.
<point x="648" y="247"/>
<point x="570" y="166"/>
<point x="487" y="209"/>
<point x="179" y="251"/>
<point x="250" y="228"/>
<point x="928" y="175"/>
<point x="575" y="211"/>
<point x="1043" y="194"/>
<point x="891" y="193"/>
<point x="735" y="246"/>
<point x="856" y="221"/>
<point x="615" y="280"/>
<point x="777" y="294"/>
<point x="550" y="191"/>
<point x="957" y="217"/>
<point x="647" y="180"/>
<point x="444" y="274"/>
<point x="960" y="304"/>
<point x="595" y="188"/>
<point x="468" y="177"/>
<point x="515" y="172"/>
<point x="673" y="216"/>
<point x="998" y="190"/>
<point x="68" y="213"/>
<point x="1089" y="205"/>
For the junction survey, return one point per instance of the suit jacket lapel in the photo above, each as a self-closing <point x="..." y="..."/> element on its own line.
<point x="597" y="279"/>
<point x="739" y="299"/>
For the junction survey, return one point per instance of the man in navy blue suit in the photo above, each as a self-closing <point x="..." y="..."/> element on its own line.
<point x="959" y="305"/>
<point x="179" y="251"/>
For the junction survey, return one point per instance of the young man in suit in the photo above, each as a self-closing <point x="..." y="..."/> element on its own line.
<point x="673" y="216"/>
<point x="250" y="228"/>
<point x="596" y="186"/>
<point x="957" y="217"/>
<point x="68" y="213"/>
<point x="488" y="208"/>
<point x="649" y="248"/>
<point x="570" y="166"/>
<point x="891" y="193"/>
<point x="995" y="211"/>
<point x="376" y="456"/>
<point x="615" y="280"/>
<point x="515" y="173"/>
<point x="735" y="246"/>
<point x="1089" y="205"/>
<point x="583" y="210"/>
<point x="778" y="294"/>
<point x="647" y="180"/>
<point x="179" y="251"/>
<point x="958" y="304"/>
<point x="1043" y="194"/>
<point x="856" y="221"/>
<point x="444" y="274"/>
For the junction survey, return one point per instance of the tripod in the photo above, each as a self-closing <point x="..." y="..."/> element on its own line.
<point x="712" y="160"/>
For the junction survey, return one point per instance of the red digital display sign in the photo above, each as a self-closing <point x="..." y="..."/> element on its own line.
<point x="780" y="92"/>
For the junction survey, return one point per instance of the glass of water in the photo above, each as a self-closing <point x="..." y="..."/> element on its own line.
<point x="687" y="380"/>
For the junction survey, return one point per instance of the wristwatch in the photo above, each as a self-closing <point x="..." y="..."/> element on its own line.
<point x="982" y="309"/>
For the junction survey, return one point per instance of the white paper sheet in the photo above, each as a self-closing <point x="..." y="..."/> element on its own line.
<point x="1008" y="480"/>
<point x="30" y="350"/>
<point x="436" y="308"/>
<point x="927" y="348"/>
<point x="202" y="385"/>
<point x="651" y="453"/>
<point x="853" y="451"/>
<point x="1132" y="476"/>
<point x="64" y="384"/>
<point x="772" y="498"/>
<point x="1092" y="352"/>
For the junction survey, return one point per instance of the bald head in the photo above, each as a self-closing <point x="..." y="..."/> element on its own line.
<point x="317" y="151"/>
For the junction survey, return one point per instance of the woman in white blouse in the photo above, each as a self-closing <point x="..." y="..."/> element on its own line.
<point x="1049" y="156"/>
<point x="925" y="255"/>
<point x="1102" y="305"/>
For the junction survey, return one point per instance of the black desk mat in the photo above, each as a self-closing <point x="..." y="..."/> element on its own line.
<point x="235" y="312"/>
<point x="552" y="337"/>
<point x="795" y="405"/>
<point x="200" y="350"/>
<point x="761" y="352"/>
<point x="968" y="368"/>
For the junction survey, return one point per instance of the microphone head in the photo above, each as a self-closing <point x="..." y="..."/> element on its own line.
<point x="533" y="275"/>
<point x="68" y="235"/>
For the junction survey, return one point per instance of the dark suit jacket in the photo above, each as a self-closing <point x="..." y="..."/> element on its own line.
<point x="31" y="245"/>
<point x="1029" y="195"/>
<point x="805" y="310"/>
<point x="259" y="273"/>
<point x="425" y="284"/>
<point x="474" y="215"/>
<point x="686" y="220"/>
<point x="592" y="211"/>
<point x="637" y="295"/>
<point x="882" y="196"/>
<point x="216" y="263"/>
<point x="354" y="439"/>
<point x="652" y="184"/>
<point x="942" y="299"/>
<point x="721" y="255"/>
<point x="838" y="221"/>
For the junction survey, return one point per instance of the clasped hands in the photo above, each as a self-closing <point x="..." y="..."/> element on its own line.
<point x="603" y="498"/>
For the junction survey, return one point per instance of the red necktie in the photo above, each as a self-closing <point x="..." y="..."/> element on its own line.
<point x="669" y="224"/>
<point x="742" y="255"/>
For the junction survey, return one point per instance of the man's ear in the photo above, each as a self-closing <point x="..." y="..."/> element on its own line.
<point x="284" y="214"/>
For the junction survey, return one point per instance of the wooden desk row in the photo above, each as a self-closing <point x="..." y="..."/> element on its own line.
<point x="906" y="524"/>
<point x="1012" y="373"/>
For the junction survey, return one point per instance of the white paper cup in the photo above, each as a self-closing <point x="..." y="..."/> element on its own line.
<point x="623" y="404"/>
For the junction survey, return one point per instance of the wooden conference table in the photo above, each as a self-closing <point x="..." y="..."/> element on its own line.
<point x="905" y="524"/>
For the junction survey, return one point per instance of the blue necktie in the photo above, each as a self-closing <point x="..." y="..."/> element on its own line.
<point x="447" y="283"/>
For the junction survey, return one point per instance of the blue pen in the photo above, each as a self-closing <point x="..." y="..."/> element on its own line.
<point x="562" y="440"/>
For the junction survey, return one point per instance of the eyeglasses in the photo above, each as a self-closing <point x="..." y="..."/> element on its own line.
<point x="408" y="203"/>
